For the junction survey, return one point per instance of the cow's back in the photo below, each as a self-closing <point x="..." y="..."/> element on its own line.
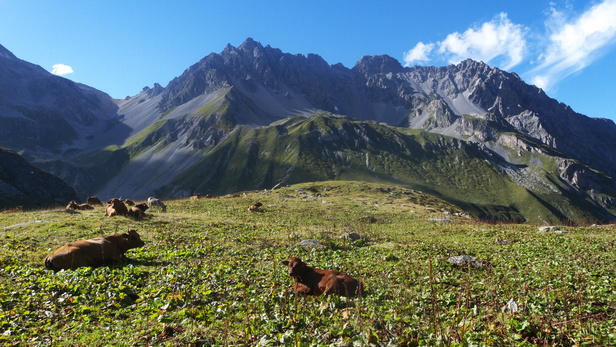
<point x="92" y="252"/>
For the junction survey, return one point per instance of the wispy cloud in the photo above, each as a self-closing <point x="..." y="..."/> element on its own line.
<point x="61" y="69"/>
<point x="497" y="40"/>
<point x="575" y="43"/>
<point x="568" y="44"/>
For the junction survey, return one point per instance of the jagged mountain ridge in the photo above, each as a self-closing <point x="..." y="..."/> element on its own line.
<point x="189" y="136"/>
<point x="379" y="88"/>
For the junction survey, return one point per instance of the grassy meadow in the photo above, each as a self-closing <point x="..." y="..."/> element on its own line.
<point x="211" y="275"/>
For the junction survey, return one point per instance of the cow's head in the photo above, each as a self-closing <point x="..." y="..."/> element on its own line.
<point x="296" y="266"/>
<point x="133" y="240"/>
<point x="118" y="204"/>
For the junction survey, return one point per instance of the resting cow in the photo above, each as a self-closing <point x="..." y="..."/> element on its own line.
<point x="138" y="210"/>
<point x="129" y="202"/>
<point x="256" y="207"/>
<point x="98" y="251"/>
<point x="93" y="200"/>
<point x="13" y="210"/>
<point x="311" y="281"/>
<point x="116" y="207"/>
<point x="154" y="202"/>
<point x="73" y="205"/>
<point x="195" y="197"/>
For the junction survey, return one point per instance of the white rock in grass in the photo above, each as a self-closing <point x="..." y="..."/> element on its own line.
<point x="310" y="243"/>
<point x="464" y="260"/>
<point x="511" y="306"/>
<point x="552" y="229"/>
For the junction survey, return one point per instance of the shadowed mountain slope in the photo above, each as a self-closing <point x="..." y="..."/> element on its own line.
<point x="22" y="184"/>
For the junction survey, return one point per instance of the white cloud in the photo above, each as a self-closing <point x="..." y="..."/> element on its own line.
<point x="418" y="54"/>
<point x="575" y="44"/>
<point x="61" y="69"/>
<point x="498" y="41"/>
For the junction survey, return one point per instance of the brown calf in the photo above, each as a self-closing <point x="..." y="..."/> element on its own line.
<point x="311" y="281"/>
<point x="116" y="207"/>
<point x="195" y="197"/>
<point x="73" y="205"/>
<point x="256" y="207"/>
<point x="93" y="252"/>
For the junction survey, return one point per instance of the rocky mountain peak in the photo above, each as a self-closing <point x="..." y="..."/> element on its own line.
<point x="377" y="64"/>
<point x="475" y="66"/>
<point x="251" y="46"/>
<point x="157" y="89"/>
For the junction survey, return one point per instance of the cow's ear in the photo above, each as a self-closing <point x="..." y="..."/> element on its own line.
<point x="285" y="262"/>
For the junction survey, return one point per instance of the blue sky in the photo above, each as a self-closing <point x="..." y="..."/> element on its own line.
<point x="566" y="47"/>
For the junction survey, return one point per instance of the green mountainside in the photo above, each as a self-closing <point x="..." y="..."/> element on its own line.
<point x="328" y="147"/>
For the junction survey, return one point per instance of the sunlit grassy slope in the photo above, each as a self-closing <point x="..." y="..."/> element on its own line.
<point x="211" y="274"/>
<point x="325" y="147"/>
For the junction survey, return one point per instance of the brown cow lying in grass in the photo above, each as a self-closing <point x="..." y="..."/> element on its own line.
<point x="116" y="207"/>
<point x="98" y="251"/>
<point x="256" y="207"/>
<point x="129" y="202"/>
<point x="93" y="200"/>
<point x="138" y="210"/>
<point x="195" y="197"/>
<point x="73" y="205"/>
<point x="311" y="281"/>
<point x="13" y="210"/>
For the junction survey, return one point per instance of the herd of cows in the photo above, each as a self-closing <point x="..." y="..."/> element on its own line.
<point x="119" y="207"/>
<point x="110" y="249"/>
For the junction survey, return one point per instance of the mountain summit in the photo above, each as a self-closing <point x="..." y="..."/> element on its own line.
<point x="252" y="117"/>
